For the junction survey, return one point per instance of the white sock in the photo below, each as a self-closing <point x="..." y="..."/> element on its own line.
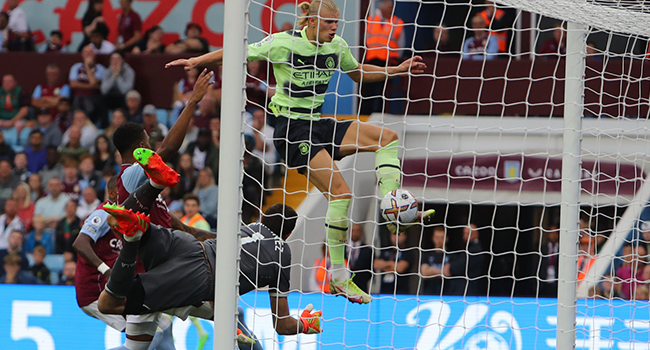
<point x="155" y="185"/>
<point x="134" y="238"/>
<point x="340" y="273"/>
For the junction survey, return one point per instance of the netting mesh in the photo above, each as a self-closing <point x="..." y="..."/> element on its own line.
<point x="481" y="142"/>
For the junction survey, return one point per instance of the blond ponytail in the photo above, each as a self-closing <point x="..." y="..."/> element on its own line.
<point x="310" y="10"/>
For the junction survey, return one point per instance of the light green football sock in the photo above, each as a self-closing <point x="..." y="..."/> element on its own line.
<point x="336" y="229"/>
<point x="203" y="335"/>
<point x="387" y="166"/>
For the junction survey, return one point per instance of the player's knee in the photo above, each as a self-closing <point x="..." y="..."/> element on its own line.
<point x="107" y="304"/>
<point x="388" y="136"/>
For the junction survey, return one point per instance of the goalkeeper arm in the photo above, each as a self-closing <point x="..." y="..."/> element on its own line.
<point x="309" y="322"/>
<point x="369" y="73"/>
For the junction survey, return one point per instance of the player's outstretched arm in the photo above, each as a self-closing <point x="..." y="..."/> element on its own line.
<point x="83" y="246"/>
<point x="172" y="142"/>
<point x="309" y="322"/>
<point x="208" y="60"/>
<point x="201" y="235"/>
<point x="370" y="73"/>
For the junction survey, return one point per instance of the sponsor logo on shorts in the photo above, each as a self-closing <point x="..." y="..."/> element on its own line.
<point x="304" y="148"/>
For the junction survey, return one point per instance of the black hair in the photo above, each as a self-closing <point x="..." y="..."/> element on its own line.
<point x="5" y="14"/>
<point x="281" y="219"/>
<point x="112" y="183"/>
<point x="119" y="52"/>
<point x="35" y="131"/>
<point x="57" y="32"/>
<point x="128" y="136"/>
<point x="147" y="34"/>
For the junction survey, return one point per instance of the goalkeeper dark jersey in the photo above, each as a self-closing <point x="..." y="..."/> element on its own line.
<point x="265" y="261"/>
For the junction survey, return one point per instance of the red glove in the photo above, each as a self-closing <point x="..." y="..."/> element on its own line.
<point x="311" y="320"/>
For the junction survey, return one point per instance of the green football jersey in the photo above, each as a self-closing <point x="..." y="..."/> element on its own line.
<point x="302" y="70"/>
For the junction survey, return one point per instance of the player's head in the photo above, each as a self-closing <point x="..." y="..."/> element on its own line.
<point x="321" y="17"/>
<point x="281" y="219"/>
<point x="111" y="189"/>
<point x="130" y="136"/>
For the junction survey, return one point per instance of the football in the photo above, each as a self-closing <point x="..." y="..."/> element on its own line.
<point x="399" y="206"/>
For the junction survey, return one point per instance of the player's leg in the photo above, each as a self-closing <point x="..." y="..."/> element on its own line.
<point x="363" y="137"/>
<point x="203" y="335"/>
<point x="325" y="175"/>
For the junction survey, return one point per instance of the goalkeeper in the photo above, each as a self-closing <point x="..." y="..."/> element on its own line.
<point x="303" y="63"/>
<point x="180" y="268"/>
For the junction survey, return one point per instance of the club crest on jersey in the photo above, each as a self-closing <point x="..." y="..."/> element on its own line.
<point x="304" y="148"/>
<point x="329" y="63"/>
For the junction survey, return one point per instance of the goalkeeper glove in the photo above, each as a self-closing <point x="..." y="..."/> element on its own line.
<point x="311" y="320"/>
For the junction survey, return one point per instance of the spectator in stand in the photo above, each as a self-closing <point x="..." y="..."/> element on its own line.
<point x="93" y="20"/>
<point x="20" y="167"/>
<point x="74" y="148"/>
<point x="85" y="79"/>
<point x="67" y="230"/>
<point x="556" y="45"/>
<point x="8" y="183"/>
<point x="36" y="190"/>
<point x="630" y="275"/>
<point x="129" y="27"/>
<point x="208" y="194"/>
<point x="15" y="246"/>
<point x="99" y="43"/>
<point x="264" y="147"/>
<point x="87" y="203"/>
<point x="360" y="258"/>
<point x="183" y="92"/>
<point x="4" y="31"/>
<point x="9" y="222"/>
<point x="13" y="108"/>
<point x="119" y="118"/>
<point x="286" y="26"/>
<point x="193" y="43"/>
<point x="64" y="118"/>
<point x="20" y="37"/>
<point x="204" y="153"/>
<point x="435" y="263"/>
<point x="55" y="43"/>
<point x="384" y="41"/>
<point x="52" y="169"/>
<point x="586" y="255"/>
<point x="134" y="110"/>
<point x="36" y="151"/>
<point x="70" y="266"/>
<point x="52" y="206"/>
<point x="441" y="38"/>
<point x="548" y="270"/>
<point x="156" y="131"/>
<point x="151" y="43"/>
<point x="117" y="81"/>
<point x="13" y="274"/>
<point x="257" y="87"/>
<point x="498" y="20"/>
<point x="215" y="129"/>
<point x="39" y="236"/>
<point x="39" y="270"/>
<point x="193" y="217"/>
<point x="468" y="267"/>
<point x="393" y="263"/>
<point x="321" y="275"/>
<point x="482" y="45"/>
<point x="71" y="183"/>
<point x="88" y="176"/>
<point x="206" y="111"/>
<point x="103" y="156"/>
<point x="252" y="183"/>
<point x="188" y="177"/>
<point x="89" y="131"/>
<point x="52" y="135"/>
<point x="6" y="152"/>
<point x="48" y="94"/>
<point x="25" y="205"/>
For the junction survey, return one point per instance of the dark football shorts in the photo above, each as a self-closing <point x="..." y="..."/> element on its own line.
<point x="178" y="273"/>
<point x="298" y="141"/>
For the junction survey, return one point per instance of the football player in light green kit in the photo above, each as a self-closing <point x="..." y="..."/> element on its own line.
<point x="303" y="64"/>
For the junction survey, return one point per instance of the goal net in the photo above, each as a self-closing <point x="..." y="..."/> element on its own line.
<point x="482" y="140"/>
